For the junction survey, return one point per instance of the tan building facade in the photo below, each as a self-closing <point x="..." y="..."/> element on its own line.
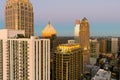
<point x="84" y="40"/>
<point x="103" y="46"/>
<point x="68" y="62"/>
<point x="19" y="16"/>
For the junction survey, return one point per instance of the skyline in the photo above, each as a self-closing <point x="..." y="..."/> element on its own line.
<point x="102" y="15"/>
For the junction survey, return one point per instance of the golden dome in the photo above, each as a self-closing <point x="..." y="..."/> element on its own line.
<point x="48" y="31"/>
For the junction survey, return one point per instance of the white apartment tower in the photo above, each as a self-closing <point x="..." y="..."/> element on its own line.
<point x="24" y="58"/>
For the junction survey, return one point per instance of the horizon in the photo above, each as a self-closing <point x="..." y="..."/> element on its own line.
<point x="103" y="16"/>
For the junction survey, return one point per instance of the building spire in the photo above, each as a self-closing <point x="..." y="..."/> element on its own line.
<point x="49" y="22"/>
<point x="48" y="31"/>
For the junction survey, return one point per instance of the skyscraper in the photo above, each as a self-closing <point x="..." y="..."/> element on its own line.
<point x="114" y="47"/>
<point x="1" y="60"/>
<point x="76" y="32"/>
<point x="50" y="33"/>
<point x="94" y="50"/>
<point x="19" y="16"/>
<point x="68" y="62"/>
<point x="84" y="39"/>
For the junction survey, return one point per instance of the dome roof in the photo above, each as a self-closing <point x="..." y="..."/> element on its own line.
<point x="48" y="31"/>
<point x="85" y="19"/>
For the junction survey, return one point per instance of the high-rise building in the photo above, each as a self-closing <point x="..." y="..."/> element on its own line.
<point x="50" y="33"/>
<point x="1" y="59"/>
<point x="24" y="58"/>
<point x="77" y="30"/>
<point x="19" y="16"/>
<point x="94" y="50"/>
<point x="68" y="62"/>
<point x="114" y="45"/>
<point x="105" y="45"/>
<point x="108" y="45"/>
<point x="84" y="40"/>
<point x="118" y="43"/>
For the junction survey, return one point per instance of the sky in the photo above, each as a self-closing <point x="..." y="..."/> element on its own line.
<point x="103" y="16"/>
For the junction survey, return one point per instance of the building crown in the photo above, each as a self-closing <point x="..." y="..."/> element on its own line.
<point x="48" y="31"/>
<point x="85" y="19"/>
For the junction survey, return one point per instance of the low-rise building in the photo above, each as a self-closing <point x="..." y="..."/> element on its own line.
<point x="102" y="75"/>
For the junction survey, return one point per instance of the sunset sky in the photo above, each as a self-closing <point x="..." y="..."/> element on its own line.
<point x="103" y="15"/>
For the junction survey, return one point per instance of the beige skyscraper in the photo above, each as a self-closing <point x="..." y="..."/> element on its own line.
<point x="19" y="16"/>
<point x="84" y="40"/>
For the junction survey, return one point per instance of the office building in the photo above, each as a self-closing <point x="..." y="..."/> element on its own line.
<point x="103" y="46"/>
<point x="108" y="45"/>
<point x="84" y="40"/>
<point x="71" y="41"/>
<point x="68" y="62"/>
<point x="76" y="31"/>
<point x="19" y="16"/>
<point x="24" y="58"/>
<point x="118" y="43"/>
<point x="114" y="45"/>
<point x="50" y="33"/>
<point x="94" y="50"/>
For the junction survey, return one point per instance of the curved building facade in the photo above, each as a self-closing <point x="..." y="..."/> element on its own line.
<point x="19" y="16"/>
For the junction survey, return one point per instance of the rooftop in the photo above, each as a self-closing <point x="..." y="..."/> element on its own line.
<point x="85" y="19"/>
<point x="102" y="75"/>
<point x="48" y="31"/>
<point x="67" y="48"/>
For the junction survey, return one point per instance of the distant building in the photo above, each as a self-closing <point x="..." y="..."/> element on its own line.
<point x="103" y="46"/>
<point x="102" y="75"/>
<point x="114" y="43"/>
<point x="64" y="40"/>
<point x="71" y="41"/>
<point x="94" y="50"/>
<point x="76" y="31"/>
<point x="109" y="45"/>
<point x="84" y="40"/>
<point x="24" y="58"/>
<point x="94" y="70"/>
<point x="118" y="43"/>
<point x="68" y="62"/>
<point x="19" y="16"/>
